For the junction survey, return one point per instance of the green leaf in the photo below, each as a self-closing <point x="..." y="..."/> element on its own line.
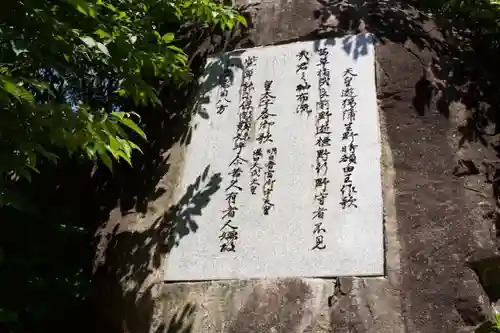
<point x="84" y="7"/>
<point x="101" y="151"/>
<point x="125" y="152"/>
<point x="107" y="5"/>
<point x="103" y="48"/>
<point x="230" y="24"/>
<point x="168" y="37"/>
<point x="121" y="15"/>
<point x="31" y="161"/>
<point x="114" y="146"/>
<point x="102" y="34"/>
<point x="50" y="156"/>
<point x="84" y="34"/>
<point x="242" y="20"/>
<point x="175" y="48"/>
<point x="24" y="173"/>
<point x="17" y="91"/>
<point x="89" y="41"/>
<point x="134" y="146"/>
<point x="133" y="126"/>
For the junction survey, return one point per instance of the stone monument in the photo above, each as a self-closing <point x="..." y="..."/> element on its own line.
<point x="293" y="132"/>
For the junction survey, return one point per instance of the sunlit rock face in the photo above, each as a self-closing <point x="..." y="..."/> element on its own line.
<point x="437" y="232"/>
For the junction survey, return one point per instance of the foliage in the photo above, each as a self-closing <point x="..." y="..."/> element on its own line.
<point x="72" y="73"/>
<point x="490" y="327"/>
<point x="67" y="66"/>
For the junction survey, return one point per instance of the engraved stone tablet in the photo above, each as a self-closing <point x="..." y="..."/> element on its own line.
<point x="292" y="133"/>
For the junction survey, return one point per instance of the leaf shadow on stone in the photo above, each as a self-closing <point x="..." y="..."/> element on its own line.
<point x="387" y="21"/>
<point x="453" y="69"/>
<point x="459" y="68"/>
<point x="170" y="123"/>
<point x="224" y="50"/>
<point x="76" y="199"/>
<point x="182" y="322"/>
<point x="217" y="70"/>
<point x="131" y="257"/>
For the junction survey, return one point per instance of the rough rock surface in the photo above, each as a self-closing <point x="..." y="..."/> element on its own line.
<point x="437" y="218"/>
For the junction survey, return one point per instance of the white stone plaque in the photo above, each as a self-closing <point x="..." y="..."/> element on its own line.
<point x="288" y="142"/>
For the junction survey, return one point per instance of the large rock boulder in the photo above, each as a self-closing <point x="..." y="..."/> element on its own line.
<point x="437" y="203"/>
